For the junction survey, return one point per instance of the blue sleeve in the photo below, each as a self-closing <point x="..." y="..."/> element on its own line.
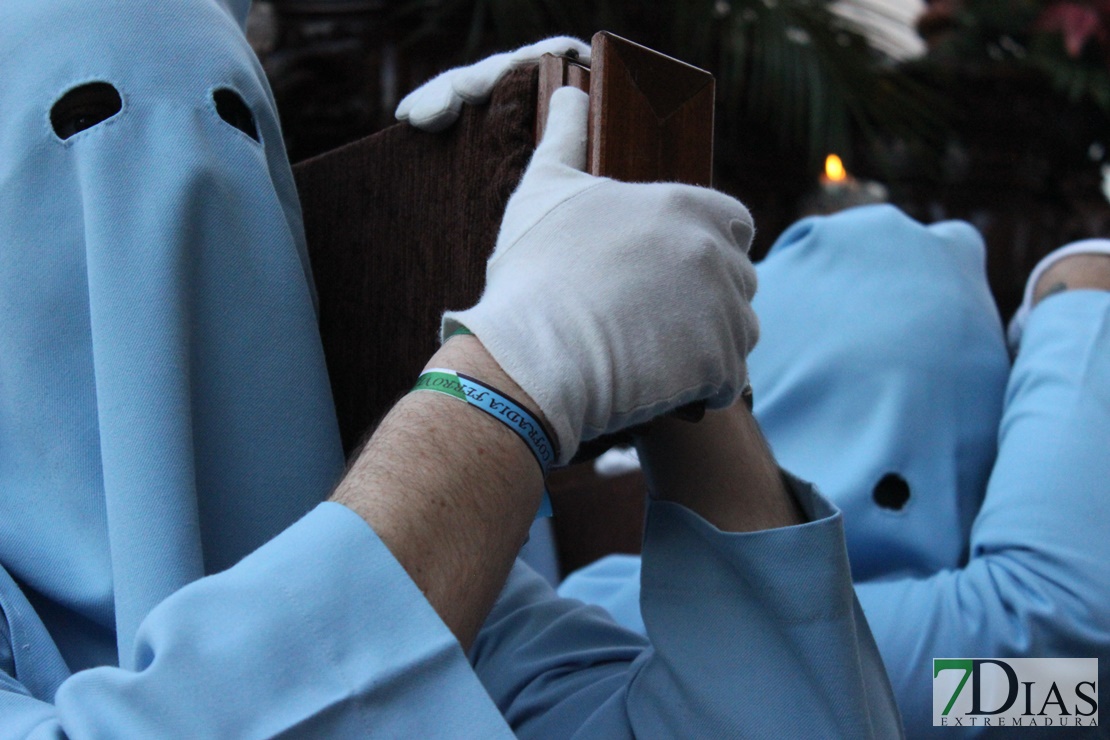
<point x="1037" y="583"/>
<point x="319" y="633"/>
<point x="755" y="634"/>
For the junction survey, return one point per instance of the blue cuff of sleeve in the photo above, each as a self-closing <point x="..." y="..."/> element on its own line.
<point x="801" y="572"/>
<point x="764" y="626"/>
<point x="319" y="632"/>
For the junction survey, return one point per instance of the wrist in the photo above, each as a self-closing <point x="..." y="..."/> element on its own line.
<point x="523" y="419"/>
<point x="719" y="467"/>
<point x="451" y="492"/>
<point x="489" y="389"/>
<point x="464" y="353"/>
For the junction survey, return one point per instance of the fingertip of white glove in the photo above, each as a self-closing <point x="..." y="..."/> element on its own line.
<point x="438" y="88"/>
<point x="402" y="111"/>
<point x="560" y="45"/>
<point x="475" y="83"/>
<point x="430" y="107"/>
<point x="564" y="137"/>
<point x="434" y="115"/>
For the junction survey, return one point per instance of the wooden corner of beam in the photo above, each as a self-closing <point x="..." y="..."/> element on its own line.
<point x="651" y="116"/>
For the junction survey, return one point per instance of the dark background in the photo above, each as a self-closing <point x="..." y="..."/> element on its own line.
<point x="1003" y="121"/>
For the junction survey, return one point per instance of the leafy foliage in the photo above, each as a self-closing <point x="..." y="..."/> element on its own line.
<point x="1068" y="41"/>
<point x="790" y="67"/>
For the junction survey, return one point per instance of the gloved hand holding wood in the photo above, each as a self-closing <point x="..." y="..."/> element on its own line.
<point x="611" y="303"/>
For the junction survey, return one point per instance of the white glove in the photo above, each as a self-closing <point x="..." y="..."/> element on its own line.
<point x="437" y="103"/>
<point x="611" y="303"/>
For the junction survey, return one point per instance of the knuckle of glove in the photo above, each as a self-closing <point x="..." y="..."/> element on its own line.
<point x="711" y="285"/>
<point x="701" y="220"/>
<point x="701" y="247"/>
<point x="728" y="216"/>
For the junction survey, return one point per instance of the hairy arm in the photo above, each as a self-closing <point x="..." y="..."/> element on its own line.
<point x="720" y="468"/>
<point x="449" y="490"/>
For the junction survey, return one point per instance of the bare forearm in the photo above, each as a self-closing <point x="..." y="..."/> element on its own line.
<point x="450" y="491"/>
<point x="719" y="467"/>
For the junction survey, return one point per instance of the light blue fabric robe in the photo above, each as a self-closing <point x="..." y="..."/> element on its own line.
<point x="167" y="434"/>
<point x="881" y="353"/>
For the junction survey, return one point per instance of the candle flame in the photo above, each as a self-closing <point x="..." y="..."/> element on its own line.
<point x="834" y="168"/>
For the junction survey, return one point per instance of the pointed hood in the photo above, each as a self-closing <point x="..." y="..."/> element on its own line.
<point x="164" y="405"/>
<point x="879" y="376"/>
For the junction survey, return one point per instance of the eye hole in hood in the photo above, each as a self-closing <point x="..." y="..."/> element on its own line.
<point x="83" y="107"/>
<point x="232" y="109"/>
<point x="891" y="492"/>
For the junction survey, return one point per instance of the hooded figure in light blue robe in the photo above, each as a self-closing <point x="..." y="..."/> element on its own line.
<point x="862" y="386"/>
<point x="167" y="430"/>
<point x="975" y="494"/>
<point x="158" y="328"/>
